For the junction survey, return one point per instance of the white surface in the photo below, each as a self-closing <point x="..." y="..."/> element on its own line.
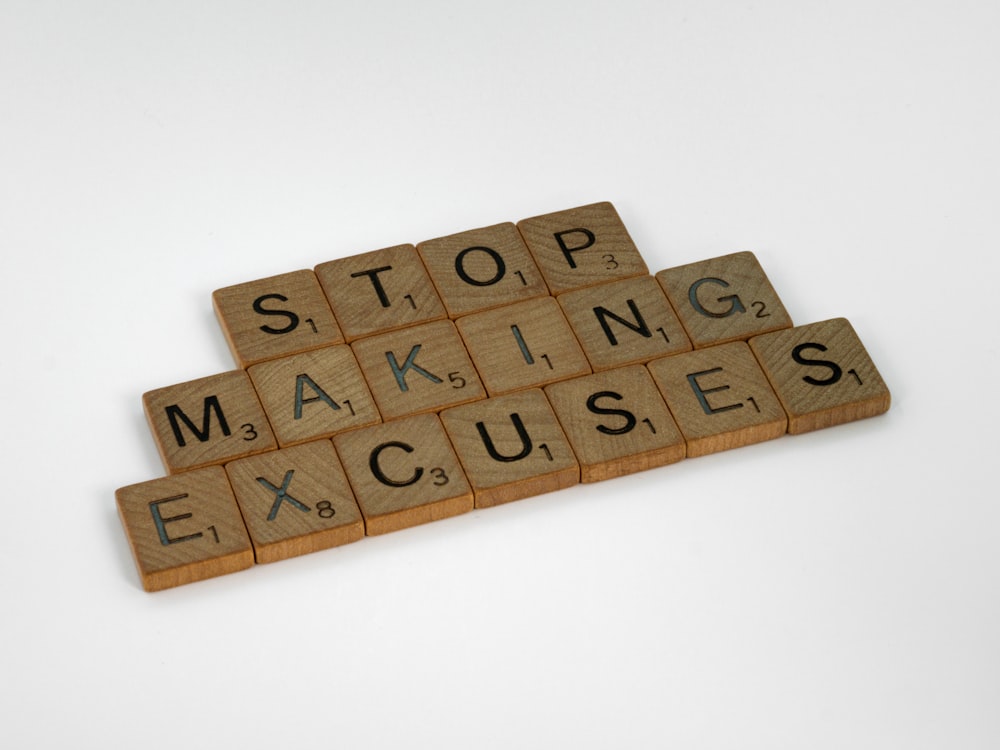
<point x="833" y="590"/>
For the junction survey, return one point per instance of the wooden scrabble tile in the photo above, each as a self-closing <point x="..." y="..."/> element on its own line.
<point x="404" y="473"/>
<point x="184" y="528"/>
<point x="379" y="291"/>
<point x="581" y="247"/>
<point x="511" y="447"/>
<point x="722" y="299"/>
<point x="276" y="316"/>
<point x="822" y="374"/>
<point x="418" y="369"/>
<point x="524" y="345"/>
<point x="295" y="501"/>
<point x="719" y="397"/>
<point x="481" y="269"/>
<point x="207" y="421"/>
<point x="314" y="395"/>
<point x="616" y="422"/>
<point x="624" y="322"/>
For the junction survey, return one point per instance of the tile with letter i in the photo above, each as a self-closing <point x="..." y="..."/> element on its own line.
<point x="822" y="374"/>
<point x="511" y="447"/>
<point x="184" y="528"/>
<point x="295" y="501"/>
<point x="404" y="473"/>
<point x="719" y="397"/>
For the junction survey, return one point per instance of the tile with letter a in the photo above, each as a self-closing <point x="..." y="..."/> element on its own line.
<point x="511" y="447"/>
<point x="617" y="423"/>
<point x="404" y="473"/>
<point x="184" y="528"/>
<point x="719" y="397"/>
<point x="295" y="501"/>
<point x="822" y="373"/>
<point x="207" y="421"/>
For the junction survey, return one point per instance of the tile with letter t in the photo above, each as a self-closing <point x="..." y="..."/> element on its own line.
<point x="511" y="447"/>
<point x="404" y="473"/>
<point x="295" y="501"/>
<point x="184" y="528"/>
<point x="822" y="373"/>
<point x="617" y="423"/>
<point x="719" y="397"/>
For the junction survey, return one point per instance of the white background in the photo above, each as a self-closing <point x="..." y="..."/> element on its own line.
<point x="834" y="590"/>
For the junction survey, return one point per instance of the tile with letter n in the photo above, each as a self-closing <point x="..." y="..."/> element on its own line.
<point x="295" y="501"/>
<point x="822" y="373"/>
<point x="617" y="423"/>
<point x="719" y="397"/>
<point x="276" y="316"/>
<point x="184" y="528"/>
<point x="581" y="247"/>
<point x="404" y="473"/>
<point x="511" y="447"/>
<point x="207" y="421"/>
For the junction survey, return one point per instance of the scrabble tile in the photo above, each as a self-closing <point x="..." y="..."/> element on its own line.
<point x="404" y="473"/>
<point x="207" y="421"/>
<point x="276" y="316"/>
<point x="314" y="395"/>
<point x="511" y="447"/>
<point x="722" y="299"/>
<point x="379" y="291"/>
<point x="719" y="397"/>
<point x="616" y="422"/>
<point x="295" y="501"/>
<point x="581" y="247"/>
<point x="184" y="528"/>
<point x="624" y="322"/>
<point x="822" y="374"/>
<point x="418" y="369"/>
<point x="524" y="345"/>
<point x="481" y="269"/>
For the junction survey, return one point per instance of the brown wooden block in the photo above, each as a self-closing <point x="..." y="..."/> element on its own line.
<point x="295" y="501"/>
<point x="624" y="322"/>
<point x="511" y="447"/>
<point x="617" y="423"/>
<point x="276" y="316"/>
<point x="822" y="374"/>
<point x="314" y="395"/>
<point x="481" y="269"/>
<point x="719" y="397"/>
<point x="582" y="246"/>
<point x="524" y="345"/>
<point x="184" y="528"/>
<point x="722" y="299"/>
<point x="404" y="473"/>
<point x="418" y="369"/>
<point x="378" y="291"/>
<point x="207" y="421"/>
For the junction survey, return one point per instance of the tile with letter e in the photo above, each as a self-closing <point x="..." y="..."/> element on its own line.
<point x="581" y="247"/>
<point x="822" y="373"/>
<point x="719" y="397"/>
<point x="404" y="473"/>
<point x="295" y="501"/>
<point x="524" y="345"/>
<point x="617" y="423"/>
<point x="624" y="322"/>
<point x="184" y="528"/>
<point x="511" y="447"/>
<point x="722" y="299"/>
<point x="419" y="369"/>
<point x="314" y="394"/>
<point x="276" y="316"/>
<point x="207" y="421"/>
<point x="379" y="291"/>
